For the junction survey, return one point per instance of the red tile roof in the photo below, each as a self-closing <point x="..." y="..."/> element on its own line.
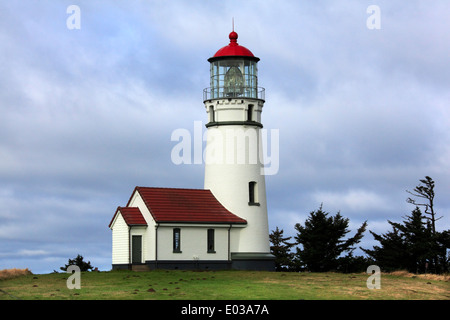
<point x="186" y="206"/>
<point x="131" y="215"/>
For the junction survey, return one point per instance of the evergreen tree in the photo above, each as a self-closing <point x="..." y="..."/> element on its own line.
<point x="281" y="249"/>
<point x="412" y="245"/>
<point x="353" y="264"/>
<point x="78" y="261"/>
<point x="321" y="241"/>
<point x="391" y="255"/>
<point x="442" y="249"/>
<point x="424" y="196"/>
<point x="425" y="191"/>
<point x="417" y="236"/>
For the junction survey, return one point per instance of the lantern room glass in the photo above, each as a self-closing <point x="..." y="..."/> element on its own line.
<point x="234" y="78"/>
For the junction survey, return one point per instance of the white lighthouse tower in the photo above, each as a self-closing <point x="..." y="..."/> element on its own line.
<point x="233" y="164"/>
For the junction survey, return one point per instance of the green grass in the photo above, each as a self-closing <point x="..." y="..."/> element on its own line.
<point x="221" y="285"/>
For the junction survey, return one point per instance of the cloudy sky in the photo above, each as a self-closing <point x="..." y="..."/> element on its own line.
<point x="87" y="114"/>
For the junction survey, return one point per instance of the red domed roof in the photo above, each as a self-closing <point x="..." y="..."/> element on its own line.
<point x="234" y="49"/>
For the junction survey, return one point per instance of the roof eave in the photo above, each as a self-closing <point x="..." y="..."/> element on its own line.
<point x="233" y="57"/>
<point x="202" y="222"/>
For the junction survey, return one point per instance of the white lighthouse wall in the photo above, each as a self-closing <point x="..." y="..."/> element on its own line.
<point x="234" y="109"/>
<point x="229" y="184"/>
<point x="229" y="180"/>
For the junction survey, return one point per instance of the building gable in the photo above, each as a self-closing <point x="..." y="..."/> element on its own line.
<point x="131" y="215"/>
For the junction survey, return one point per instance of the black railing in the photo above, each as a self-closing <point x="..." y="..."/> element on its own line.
<point x="233" y="92"/>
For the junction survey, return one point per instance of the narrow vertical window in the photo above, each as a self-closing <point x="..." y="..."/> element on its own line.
<point x="176" y="240"/>
<point x="212" y="117"/>
<point x="250" y="112"/>
<point x="252" y="194"/>
<point x="211" y="241"/>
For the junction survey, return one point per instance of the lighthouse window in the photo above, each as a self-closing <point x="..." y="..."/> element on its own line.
<point x="250" y="112"/>
<point x="252" y="194"/>
<point x="211" y="114"/>
<point x="176" y="240"/>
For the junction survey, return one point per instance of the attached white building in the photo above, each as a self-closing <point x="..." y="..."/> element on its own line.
<point x="173" y="228"/>
<point x="224" y="225"/>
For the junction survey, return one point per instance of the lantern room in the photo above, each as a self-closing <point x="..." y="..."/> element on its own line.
<point x="234" y="73"/>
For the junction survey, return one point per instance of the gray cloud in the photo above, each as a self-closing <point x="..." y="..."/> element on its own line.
<point x="87" y="114"/>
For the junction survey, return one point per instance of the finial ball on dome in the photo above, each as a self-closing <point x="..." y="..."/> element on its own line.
<point x="233" y="36"/>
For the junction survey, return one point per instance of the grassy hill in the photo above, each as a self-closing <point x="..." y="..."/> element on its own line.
<point x="222" y="285"/>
